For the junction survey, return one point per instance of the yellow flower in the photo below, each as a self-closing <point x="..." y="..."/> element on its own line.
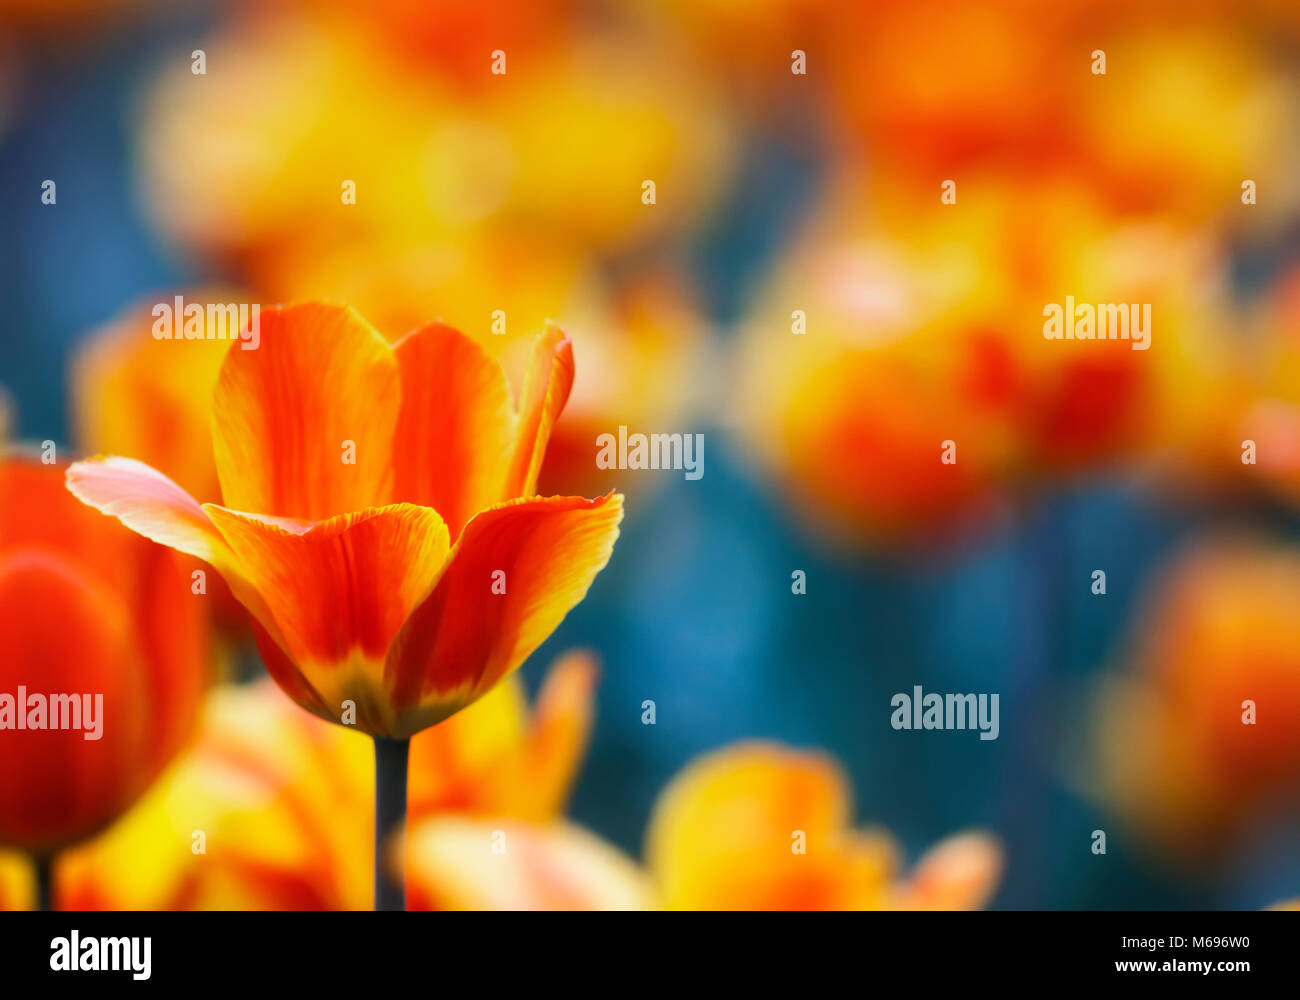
<point x="761" y="826"/>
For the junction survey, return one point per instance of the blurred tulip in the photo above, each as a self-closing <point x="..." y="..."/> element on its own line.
<point x="134" y="394"/>
<point x="364" y="465"/>
<point x="553" y="153"/>
<point x="88" y="610"/>
<point x="899" y="356"/>
<point x="930" y="330"/>
<point x="760" y="826"/>
<point x="464" y="864"/>
<point x="271" y="808"/>
<point x="1204" y="732"/>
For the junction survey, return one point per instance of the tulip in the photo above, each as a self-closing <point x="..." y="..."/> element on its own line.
<point x="761" y="826"/>
<point x="1203" y="733"/>
<point x="269" y="808"/>
<point x="91" y="612"/>
<point x="380" y="525"/>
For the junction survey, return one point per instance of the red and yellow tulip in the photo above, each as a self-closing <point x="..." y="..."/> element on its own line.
<point x="87" y="610"/>
<point x="380" y="522"/>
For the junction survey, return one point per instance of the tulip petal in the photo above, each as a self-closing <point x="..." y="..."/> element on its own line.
<point x="339" y="590"/>
<point x="457" y="428"/>
<point x="721" y="833"/>
<point x="453" y="865"/>
<point x="60" y="634"/>
<point x="516" y="571"/>
<point x="150" y="504"/>
<point x="548" y="381"/>
<point x="960" y="873"/>
<point x="543" y="773"/>
<point x="303" y="425"/>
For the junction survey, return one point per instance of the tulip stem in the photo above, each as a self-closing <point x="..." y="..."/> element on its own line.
<point x="390" y="818"/>
<point x="44" y="882"/>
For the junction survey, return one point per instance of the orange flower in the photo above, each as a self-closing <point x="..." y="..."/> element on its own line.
<point x="381" y="527"/>
<point x="760" y="826"/>
<point x="1206" y="732"/>
<point x="87" y="612"/>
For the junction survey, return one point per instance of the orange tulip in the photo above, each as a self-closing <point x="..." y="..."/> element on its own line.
<point x="1205" y="733"/>
<point x="382" y="528"/>
<point x="761" y="826"/>
<point x="107" y="624"/>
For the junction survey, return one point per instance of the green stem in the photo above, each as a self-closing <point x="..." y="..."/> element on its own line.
<point x="390" y="817"/>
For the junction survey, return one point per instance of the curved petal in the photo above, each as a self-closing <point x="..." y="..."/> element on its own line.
<point x="302" y="426"/>
<point x="150" y="504"/>
<point x="495" y="758"/>
<point x="339" y="590"/>
<point x="544" y="770"/>
<point x="516" y="571"/>
<point x="548" y="381"/>
<point x="721" y="833"/>
<point x="457" y="427"/>
<point x="959" y="873"/>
